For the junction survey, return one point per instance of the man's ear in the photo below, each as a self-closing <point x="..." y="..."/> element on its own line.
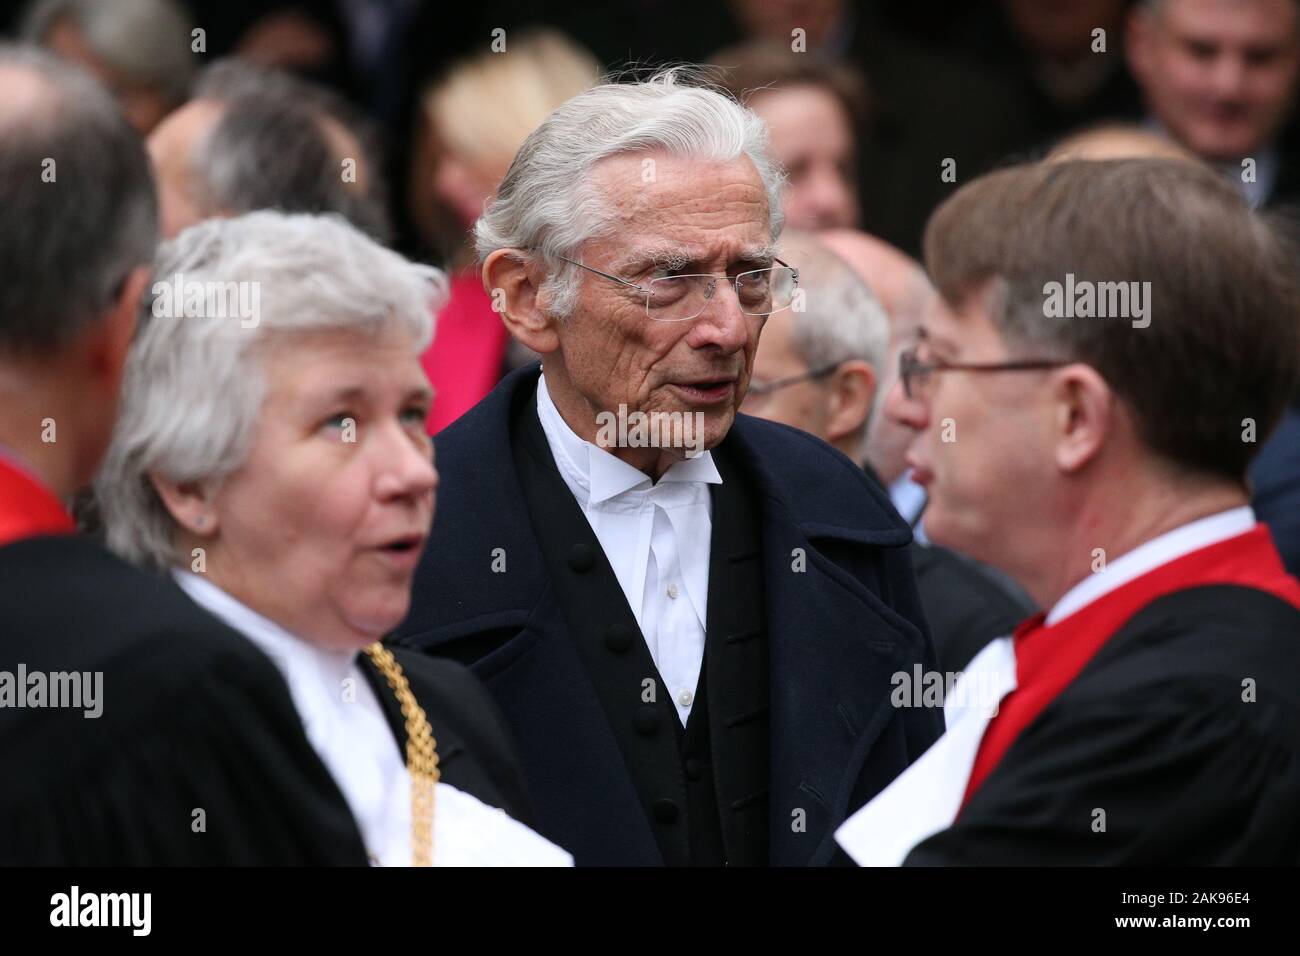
<point x="108" y="343"/>
<point x="512" y="278"/>
<point x="852" y="391"/>
<point x="1085" y="416"/>
<point x="190" y="504"/>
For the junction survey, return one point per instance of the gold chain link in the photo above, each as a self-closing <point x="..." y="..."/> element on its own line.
<point x="421" y="754"/>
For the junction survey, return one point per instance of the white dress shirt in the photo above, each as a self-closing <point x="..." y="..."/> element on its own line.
<point x="347" y="728"/>
<point x="657" y="538"/>
<point x="909" y="500"/>
<point x="926" y="797"/>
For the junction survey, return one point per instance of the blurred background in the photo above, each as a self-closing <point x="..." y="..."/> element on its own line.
<point x="878" y="110"/>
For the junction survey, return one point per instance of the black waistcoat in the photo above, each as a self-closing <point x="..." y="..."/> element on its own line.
<point x="704" y="787"/>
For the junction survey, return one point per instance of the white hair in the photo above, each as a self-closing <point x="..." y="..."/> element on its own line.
<point x="546" y="204"/>
<point x="194" y="386"/>
<point x="841" y="317"/>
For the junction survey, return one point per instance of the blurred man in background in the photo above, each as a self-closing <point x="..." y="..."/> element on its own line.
<point x="141" y="50"/>
<point x="1219" y="77"/>
<point x="820" y="370"/>
<point x="254" y="139"/>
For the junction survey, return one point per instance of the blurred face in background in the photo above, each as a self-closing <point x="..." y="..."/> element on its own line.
<point x="812" y="137"/>
<point x="1220" y="75"/>
<point x="463" y="184"/>
<point x="1061" y="30"/>
<point x="144" y="106"/>
<point x="803" y="405"/>
<point x="776" y="19"/>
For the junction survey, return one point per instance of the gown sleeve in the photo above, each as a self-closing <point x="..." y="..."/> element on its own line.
<point x="213" y="769"/>
<point x="1175" y="777"/>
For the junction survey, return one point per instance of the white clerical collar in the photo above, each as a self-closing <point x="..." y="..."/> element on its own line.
<point x="292" y="655"/>
<point x="603" y="476"/>
<point x="1150" y="555"/>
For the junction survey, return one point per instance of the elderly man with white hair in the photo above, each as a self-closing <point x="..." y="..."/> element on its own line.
<point x="271" y="457"/>
<point x="691" y="618"/>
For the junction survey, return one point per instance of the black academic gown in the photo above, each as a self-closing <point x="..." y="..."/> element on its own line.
<point x="198" y="756"/>
<point x="839" y="611"/>
<point x="1190" y="765"/>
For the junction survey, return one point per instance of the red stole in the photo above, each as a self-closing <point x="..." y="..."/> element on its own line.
<point x="27" y="508"/>
<point x="1049" y="658"/>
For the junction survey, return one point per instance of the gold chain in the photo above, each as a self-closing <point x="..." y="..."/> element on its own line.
<point x="421" y="755"/>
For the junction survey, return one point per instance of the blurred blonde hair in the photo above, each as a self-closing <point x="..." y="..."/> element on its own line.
<point x="484" y="107"/>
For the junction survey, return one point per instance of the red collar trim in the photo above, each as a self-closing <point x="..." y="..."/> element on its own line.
<point x="28" y="508"/>
<point x="1048" y="659"/>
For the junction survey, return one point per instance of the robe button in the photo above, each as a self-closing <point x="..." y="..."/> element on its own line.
<point x="619" y="638"/>
<point x="665" y="811"/>
<point x="646" y="720"/>
<point x="694" y="769"/>
<point x="581" y="558"/>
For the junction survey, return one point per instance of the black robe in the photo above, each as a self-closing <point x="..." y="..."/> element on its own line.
<point x="1160" y="734"/>
<point x="198" y="756"/>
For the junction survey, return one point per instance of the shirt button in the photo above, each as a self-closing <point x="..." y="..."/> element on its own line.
<point x="685" y="697"/>
<point x="672" y="591"/>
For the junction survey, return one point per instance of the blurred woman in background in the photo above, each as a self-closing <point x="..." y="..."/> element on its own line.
<point x="474" y="119"/>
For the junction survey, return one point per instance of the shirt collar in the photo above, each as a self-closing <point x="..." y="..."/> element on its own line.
<point x="603" y="476"/>
<point x="295" y="657"/>
<point x="1150" y="555"/>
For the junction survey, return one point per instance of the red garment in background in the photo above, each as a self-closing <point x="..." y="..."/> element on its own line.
<point x="28" y="508"/>
<point x="468" y="352"/>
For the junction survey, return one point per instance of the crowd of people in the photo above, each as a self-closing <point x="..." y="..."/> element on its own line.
<point x="846" y="434"/>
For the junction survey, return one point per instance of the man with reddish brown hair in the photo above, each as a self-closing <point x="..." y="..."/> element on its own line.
<point x="1110" y="343"/>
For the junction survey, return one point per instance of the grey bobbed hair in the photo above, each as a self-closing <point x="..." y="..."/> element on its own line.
<point x="194" y="386"/>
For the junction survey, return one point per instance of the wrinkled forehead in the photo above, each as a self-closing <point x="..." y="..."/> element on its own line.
<point x="684" y="209"/>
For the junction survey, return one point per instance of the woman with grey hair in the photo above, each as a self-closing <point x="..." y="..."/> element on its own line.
<point x="271" y="457"/>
